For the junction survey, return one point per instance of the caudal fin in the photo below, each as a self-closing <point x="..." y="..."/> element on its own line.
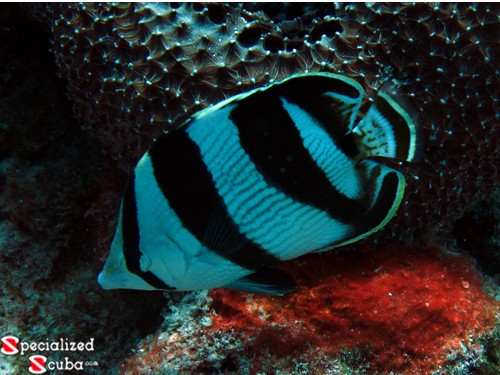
<point x="388" y="130"/>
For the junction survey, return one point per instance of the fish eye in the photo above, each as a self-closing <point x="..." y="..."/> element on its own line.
<point x="145" y="263"/>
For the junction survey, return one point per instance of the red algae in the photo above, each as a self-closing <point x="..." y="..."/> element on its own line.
<point x="404" y="308"/>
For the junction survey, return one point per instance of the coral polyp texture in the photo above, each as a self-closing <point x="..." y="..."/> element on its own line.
<point x="135" y="70"/>
<point x="400" y="309"/>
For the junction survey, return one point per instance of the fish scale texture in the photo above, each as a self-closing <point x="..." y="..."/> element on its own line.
<point x="135" y="70"/>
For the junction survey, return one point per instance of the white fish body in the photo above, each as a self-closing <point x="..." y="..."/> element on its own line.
<point x="262" y="177"/>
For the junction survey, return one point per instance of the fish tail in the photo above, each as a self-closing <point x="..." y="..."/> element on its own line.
<point x="389" y="130"/>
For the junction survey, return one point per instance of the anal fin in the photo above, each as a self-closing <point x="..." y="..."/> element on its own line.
<point x="268" y="281"/>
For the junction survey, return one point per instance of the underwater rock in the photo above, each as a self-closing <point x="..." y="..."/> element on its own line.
<point x="396" y="308"/>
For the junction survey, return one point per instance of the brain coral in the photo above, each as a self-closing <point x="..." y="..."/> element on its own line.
<point x="135" y="70"/>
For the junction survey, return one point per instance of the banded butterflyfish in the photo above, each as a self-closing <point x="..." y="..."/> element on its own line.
<point x="262" y="177"/>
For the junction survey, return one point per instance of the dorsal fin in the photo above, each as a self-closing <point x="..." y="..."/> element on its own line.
<point x="343" y="93"/>
<point x="333" y="100"/>
<point x="388" y="130"/>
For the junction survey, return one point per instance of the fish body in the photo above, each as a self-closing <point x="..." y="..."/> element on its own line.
<point x="259" y="178"/>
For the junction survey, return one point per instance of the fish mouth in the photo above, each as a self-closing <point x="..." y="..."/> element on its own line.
<point x="111" y="278"/>
<point x="104" y="280"/>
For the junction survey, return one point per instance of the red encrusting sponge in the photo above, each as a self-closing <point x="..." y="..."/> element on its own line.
<point x="404" y="308"/>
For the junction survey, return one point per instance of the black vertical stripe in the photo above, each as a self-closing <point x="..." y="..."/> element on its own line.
<point x="130" y="225"/>
<point x="274" y="144"/>
<point x="187" y="185"/>
<point x="384" y="203"/>
<point x="332" y="114"/>
<point x="131" y="239"/>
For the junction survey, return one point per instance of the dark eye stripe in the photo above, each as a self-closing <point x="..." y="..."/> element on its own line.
<point x="131" y="239"/>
